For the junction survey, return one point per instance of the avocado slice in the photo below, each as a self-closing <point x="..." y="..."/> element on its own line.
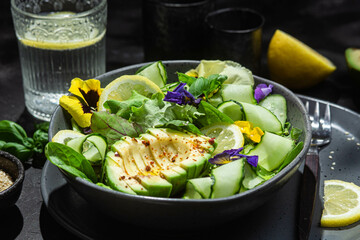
<point x="160" y="160"/>
<point x="352" y="56"/>
<point x="112" y="179"/>
<point x="184" y="150"/>
<point x="116" y="178"/>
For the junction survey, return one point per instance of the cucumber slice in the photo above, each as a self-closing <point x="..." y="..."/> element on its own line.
<point x="155" y="72"/>
<point x="216" y="99"/>
<point x="198" y="188"/>
<point x="251" y="180"/>
<point x="276" y="104"/>
<point x="227" y="179"/>
<point x="262" y="118"/>
<point x="239" y="93"/>
<point x="272" y="150"/>
<point x="233" y="109"/>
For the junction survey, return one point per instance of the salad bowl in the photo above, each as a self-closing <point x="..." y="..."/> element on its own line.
<point x="178" y="213"/>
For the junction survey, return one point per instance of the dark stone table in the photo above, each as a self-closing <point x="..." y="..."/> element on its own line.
<point x="327" y="26"/>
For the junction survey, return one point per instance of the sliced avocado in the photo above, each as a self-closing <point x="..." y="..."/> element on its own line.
<point x="352" y="56"/>
<point x="156" y="185"/>
<point x="176" y="178"/>
<point x="134" y="154"/>
<point x="122" y="148"/>
<point x="115" y="175"/>
<point x="161" y="160"/>
<point x="113" y="178"/>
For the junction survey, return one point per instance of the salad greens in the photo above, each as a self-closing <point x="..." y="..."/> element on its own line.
<point x="14" y="140"/>
<point x="188" y="105"/>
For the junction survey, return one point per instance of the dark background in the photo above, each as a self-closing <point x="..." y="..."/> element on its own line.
<point x="328" y="26"/>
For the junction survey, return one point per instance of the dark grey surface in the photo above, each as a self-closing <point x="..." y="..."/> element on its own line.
<point x="328" y="26"/>
<point x="274" y="220"/>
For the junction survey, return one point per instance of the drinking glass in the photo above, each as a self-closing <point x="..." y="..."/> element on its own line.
<point x="235" y="34"/>
<point x="58" y="40"/>
<point x="174" y="29"/>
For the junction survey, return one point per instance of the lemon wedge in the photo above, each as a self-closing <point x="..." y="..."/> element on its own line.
<point x="294" y="64"/>
<point x="228" y="136"/>
<point x="63" y="136"/>
<point x="341" y="204"/>
<point x="120" y="89"/>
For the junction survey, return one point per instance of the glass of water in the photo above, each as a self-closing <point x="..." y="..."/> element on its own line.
<point x="58" y="40"/>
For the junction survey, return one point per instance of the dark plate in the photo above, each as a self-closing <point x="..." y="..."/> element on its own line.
<point x="274" y="220"/>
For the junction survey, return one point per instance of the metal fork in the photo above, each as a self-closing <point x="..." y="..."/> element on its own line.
<point x="321" y="136"/>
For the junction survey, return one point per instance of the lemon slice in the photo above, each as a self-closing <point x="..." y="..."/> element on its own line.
<point x="63" y="136"/>
<point x="120" y="89"/>
<point x="294" y="64"/>
<point x="341" y="204"/>
<point x="228" y="136"/>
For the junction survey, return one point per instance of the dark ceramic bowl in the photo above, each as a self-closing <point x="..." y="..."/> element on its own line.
<point x="12" y="166"/>
<point x="181" y="213"/>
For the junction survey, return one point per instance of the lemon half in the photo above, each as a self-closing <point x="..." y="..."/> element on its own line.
<point x="294" y="64"/>
<point x="341" y="204"/>
<point x="120" y="89"/>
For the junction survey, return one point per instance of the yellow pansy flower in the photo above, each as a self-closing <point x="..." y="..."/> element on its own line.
<point x="254" y="134"/>
<point x="84" y="100"/>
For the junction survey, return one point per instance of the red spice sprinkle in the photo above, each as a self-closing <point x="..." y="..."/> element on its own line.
<point x="146" y="143"/>
<point x="148" y="168"/>
<point x="212" y="141"/>
<point x="117" y="154"/>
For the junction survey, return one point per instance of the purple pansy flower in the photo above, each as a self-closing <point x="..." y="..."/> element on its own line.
<point x="181" y="96"/>
<point x="232" y="155"/>
<point x="262" y="90"/>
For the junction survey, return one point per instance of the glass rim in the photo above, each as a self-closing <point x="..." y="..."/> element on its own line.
<point x="86" y="13"/>
<point x="231" y="9"/>
<point x="179" y="4"/>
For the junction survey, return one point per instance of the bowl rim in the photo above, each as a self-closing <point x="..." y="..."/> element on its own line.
<point x="21" y="172"/>
<point x="257" y="190"/>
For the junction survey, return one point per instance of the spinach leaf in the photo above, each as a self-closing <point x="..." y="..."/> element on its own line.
<point x="69" y="160"/>
<point x="113" y="127"/>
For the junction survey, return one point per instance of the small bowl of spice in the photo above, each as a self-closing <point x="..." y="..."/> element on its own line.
<point x="11" y="179"/>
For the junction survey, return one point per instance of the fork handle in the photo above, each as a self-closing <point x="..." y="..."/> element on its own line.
<point x="309" y="190"/>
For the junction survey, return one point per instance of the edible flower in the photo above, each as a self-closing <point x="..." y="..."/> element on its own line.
<point x="231" y="155"/>
<point x="84" y="100"/>
<point x="254" y="134"/>
<point x="181" y="96"/>
<point x="262" y="90"/>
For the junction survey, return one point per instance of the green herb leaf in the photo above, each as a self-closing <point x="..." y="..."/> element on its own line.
<point x="210" y="115"/>
<point x="69" y="160"/>
<point x="113" y="127"/>
<point x="18" y="150"/>
<point x="13" y="132"/>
